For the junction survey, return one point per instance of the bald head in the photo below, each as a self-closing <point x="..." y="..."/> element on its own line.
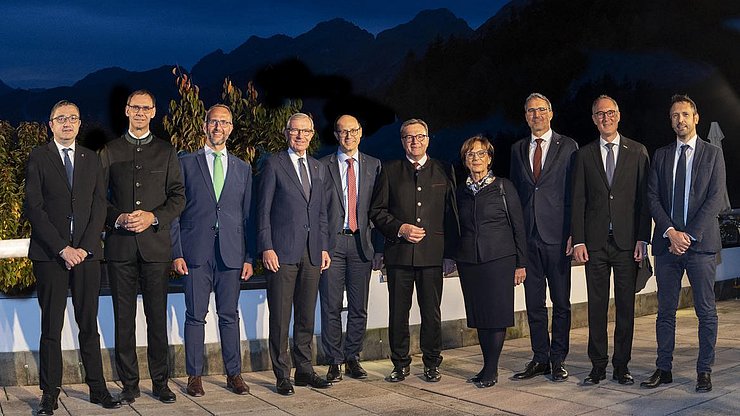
<point x="348" y="132"/>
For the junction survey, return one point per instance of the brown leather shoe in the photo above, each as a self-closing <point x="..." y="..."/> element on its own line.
<point x="236" y="384"/>
<point x="195" y="386"/>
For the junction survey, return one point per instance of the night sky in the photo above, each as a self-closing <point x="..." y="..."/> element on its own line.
<point x="46" y="45"/>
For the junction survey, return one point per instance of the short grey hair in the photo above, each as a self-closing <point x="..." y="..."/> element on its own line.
<point x="412" y="121"/>
<point x="537" y="95"/>
<point x="215" y="106"/>
<point x="297" y="116"/>
<point x="603" y="97"/>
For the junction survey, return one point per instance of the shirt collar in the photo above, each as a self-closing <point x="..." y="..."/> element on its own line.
<point x="691" y="143"/>
<point x="421" y="161"/>
<point x="546" y="137"/>
<point x="60" y="147"/>
<point x="616" y="140"/>
<point x="342" y="157"/>
<point x="294" y="156"/>
<point x="210" y="151"/>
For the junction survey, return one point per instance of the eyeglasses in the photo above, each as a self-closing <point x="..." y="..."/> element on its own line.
<point x="223" y="123"/>
<point x="421" y="138"/>
<point x="609" y="113"/>
<point x="64" y="119"/>
<point x="350" y="132"/>
<point x="295" y="132"/>
<point x="473" y="155"/>
<point x="540" y="110"/>
<point x="140" y="108"/>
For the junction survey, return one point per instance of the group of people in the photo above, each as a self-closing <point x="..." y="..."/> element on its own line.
<point x="323" y="225"/>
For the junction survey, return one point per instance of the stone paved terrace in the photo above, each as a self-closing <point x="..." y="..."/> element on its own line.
<point x="452" y="396"/>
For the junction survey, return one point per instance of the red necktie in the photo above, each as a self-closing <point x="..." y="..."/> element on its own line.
<point x="351" y="195"/>
<point x="537" y="160"/>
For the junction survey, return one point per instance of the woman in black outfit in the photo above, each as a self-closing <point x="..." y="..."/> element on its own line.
<point x="490" y="254"/>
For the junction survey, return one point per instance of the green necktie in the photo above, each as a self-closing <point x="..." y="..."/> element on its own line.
<point x="218" y="174"/>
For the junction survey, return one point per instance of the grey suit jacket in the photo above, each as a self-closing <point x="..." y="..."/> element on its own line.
<point x="369" y="169"/>
<point x="706" y="197"/>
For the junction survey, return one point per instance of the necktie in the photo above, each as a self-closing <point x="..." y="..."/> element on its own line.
<point x="610" y="165"/>
<point x="416" y="165"/>
<point x="679" y="191"/>
<point x="304" y="177"/>
<point x="351" y="195"/>
<point x="218" y="174"/>
<point x="537" y="160"/>
<point x="68" y="165"/>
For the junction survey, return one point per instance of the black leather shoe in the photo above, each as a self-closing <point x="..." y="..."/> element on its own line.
<point x="355" y="370"/>
<point x="431" y="374"/>
<point x="623" y="377"/>
<point x="129" y="394"/>
<point x="595" y="376"/>
<point x="532" y="369"/>
<point x="659" y="377"/>
<point x="311" y="379"/>
<point x="398" y="374"/>
<point x="703" y="382"/>
<point x="334" y="373"/>
<point x="476" y="378"/>
<point x="49" y="403"/>
<point x="482" y="384"/>
<point x="104" y="399"/>
<point x="164" y="394"/>
<point x="284" y="387"/>
<point x="559" y="373"/>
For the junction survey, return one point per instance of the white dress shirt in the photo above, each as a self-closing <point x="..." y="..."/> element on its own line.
<point x="343" y="168"/>
<point x="546" y="139"/>
<point x="296" y="164"/>
<point x="211" y="156"/>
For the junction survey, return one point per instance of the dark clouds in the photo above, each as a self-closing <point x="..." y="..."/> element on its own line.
<point x="44" y="45"/>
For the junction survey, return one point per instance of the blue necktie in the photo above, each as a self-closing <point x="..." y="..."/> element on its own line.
<point x="679" y="191"/>
<point x="610" y="164"/>
<point x="68" y="165"/>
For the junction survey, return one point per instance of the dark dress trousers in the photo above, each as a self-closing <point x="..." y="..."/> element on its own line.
<point x="211" y="236"/>
<point x="596" y="205"/>
<point x="705" y="201"/>
<point x="425" y="198"/>
<point x="50" y="205"/>
<point x="141" y="174"/>
<point x="546" y="204"/>
<point x="351" y="263"/>
<point x="489" y="250"/>
<point x="296" y="228"/>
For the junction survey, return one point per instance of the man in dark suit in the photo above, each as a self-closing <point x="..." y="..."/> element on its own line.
<point x="293" y="239"/>
<point x="145" y="194"/>
<point x="66" y="212"/>
<point x="209" y="247"/>
<point x="541" y="170"/>
<point x="686" y="193"/>
<point x="414" y="207"/>
<point x="610" y="228"/>
<point x="353" y="176"/>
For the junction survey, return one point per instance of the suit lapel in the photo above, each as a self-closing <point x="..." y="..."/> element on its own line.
<point x="698" y="153"/>
<point x="313" y="168"/>
<point x="336" y="177"/>
<point x="668" y="176"/>
<point x="524" y="152"/>
<point x="625" y="153"/>
<point x="56" y="161"/>
<point x="552" y="152"/>
<point x="203" y="165"/>
<point x="596" y="154"/>
<point x="287" y="165"/>
<point x="366" y="182"/>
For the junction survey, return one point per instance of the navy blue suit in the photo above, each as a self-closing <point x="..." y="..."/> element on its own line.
<point x="705" y="201"/>
<point x="295" y="227"/>
<point x="546" y="205"/>
<point x="351" y="263"/>
<point x="211" y="236"/>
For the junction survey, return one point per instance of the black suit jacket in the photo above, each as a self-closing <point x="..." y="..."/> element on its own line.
<point x="547" y="203"/>
<point x="427" y="201"/>
<point x="369" y="169"/>
<point x="706" y="197"/>
<point x="624" y="204"/>
<point x="485" y="231"/>
<point x="50" y="203"/>
<point x="145" y="177"/>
